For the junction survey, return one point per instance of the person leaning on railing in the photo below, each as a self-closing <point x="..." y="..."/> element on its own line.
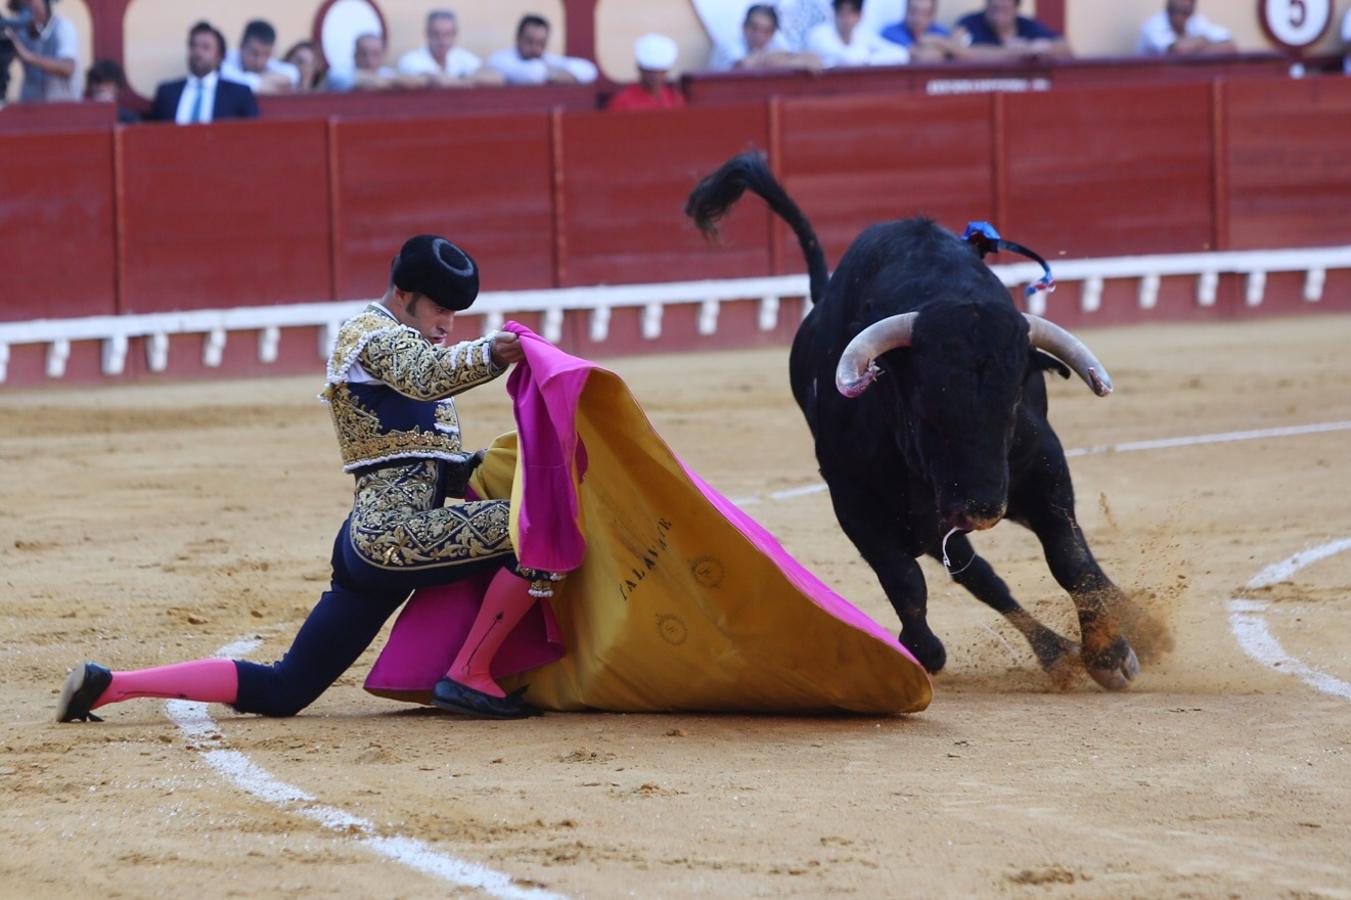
<point x="919" y="33"/>
<point x="999" y="33"/>
<point x="530" y="63"/>
<point x="368" y="70"/>
<point x="847" y="41"/>
<point x="48" y="48"/>
<point x="441" y="62"/>
<point x="254" y="65"/>
<point x="1179" y="30"/>
<point x="761" y="45"/>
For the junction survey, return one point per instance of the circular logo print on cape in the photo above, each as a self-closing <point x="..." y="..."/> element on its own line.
<point x="708" y="571"/>
<point x="672" y="629"/>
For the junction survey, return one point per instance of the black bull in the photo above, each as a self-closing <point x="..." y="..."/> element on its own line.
<point x="953" y="433"/>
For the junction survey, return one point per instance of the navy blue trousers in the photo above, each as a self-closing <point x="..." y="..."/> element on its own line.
<point x="340" y="627"/>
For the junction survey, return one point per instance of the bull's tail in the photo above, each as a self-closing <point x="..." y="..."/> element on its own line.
<point x="713" y="196"/>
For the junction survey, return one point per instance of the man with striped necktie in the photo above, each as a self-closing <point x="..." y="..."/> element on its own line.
<point x="204" y="96"/>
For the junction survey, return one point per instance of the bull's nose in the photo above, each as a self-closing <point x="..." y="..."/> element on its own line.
<point x="969" y="519"/>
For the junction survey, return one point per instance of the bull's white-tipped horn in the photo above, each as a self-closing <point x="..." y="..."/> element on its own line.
<point x="856" y="369"/>
<point x="1046" y="335"/>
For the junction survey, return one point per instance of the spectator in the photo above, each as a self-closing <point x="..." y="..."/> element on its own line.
<point x="6" y="59"/>
<point x="761" y="45"/>
<point x="1346" y="42"/>
<point x="440" y="63"/>
<point x="205" y="95"/>
<point x="528" y="63"/>
<point x="103" y="83"/>
<point x="1178" y="30"/>
<point x="48" y="49"/>
<point x="655" y="54"/>
<point x="1000" y="33"/>
<point x="368" y="71"/>
<point x="798" y="17"/>
<point x="253" y="65"/>
<point x="305" y="57"/>
<point x="926" y="40"/>
<point x="848" y="42"/>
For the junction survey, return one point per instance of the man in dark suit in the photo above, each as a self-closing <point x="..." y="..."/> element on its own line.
<point x="204" y="96"/>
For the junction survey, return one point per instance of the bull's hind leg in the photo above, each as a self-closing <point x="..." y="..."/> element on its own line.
<point x="1057" y="655"/>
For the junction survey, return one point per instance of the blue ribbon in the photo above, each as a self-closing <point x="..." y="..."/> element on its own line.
<point x="984" y="237"/>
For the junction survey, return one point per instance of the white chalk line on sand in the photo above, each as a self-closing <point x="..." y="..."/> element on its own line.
<point x="1247" y="620"/>
<point x="199" y="728"/>
<point x="1195" y="440"/>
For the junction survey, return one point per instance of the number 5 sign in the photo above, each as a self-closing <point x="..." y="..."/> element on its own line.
<point x="1295" y="24"/>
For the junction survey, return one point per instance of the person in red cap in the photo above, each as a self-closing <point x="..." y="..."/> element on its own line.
<point x="655" y="55"/>
<point x="391" y="378"/>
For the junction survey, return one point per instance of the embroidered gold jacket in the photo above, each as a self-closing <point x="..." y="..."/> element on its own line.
<point x="389" y="390"/>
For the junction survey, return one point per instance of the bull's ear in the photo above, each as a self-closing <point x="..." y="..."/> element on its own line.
<point x="1038" y="361"/>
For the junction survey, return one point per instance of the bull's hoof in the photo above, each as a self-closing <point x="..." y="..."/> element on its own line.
<point x="1115" y="668"/>
<point x="1064" y="667"/>
<point x="927" y="650"/>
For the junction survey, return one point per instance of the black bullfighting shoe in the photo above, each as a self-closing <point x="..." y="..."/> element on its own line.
<point x="84" y="685"/>
<point x="458" y="698"/>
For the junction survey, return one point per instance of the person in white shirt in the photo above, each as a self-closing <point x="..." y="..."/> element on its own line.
<point x="253" y="65"/>
<point x="48" y="48"/>
<point x="441" y="62"/>
<point x="848" y="42"/>
<point x="761" y="45"/>
<point x="528" y="63"/>
<point x="367" y="71"/>
<point x="1179" y="30"/>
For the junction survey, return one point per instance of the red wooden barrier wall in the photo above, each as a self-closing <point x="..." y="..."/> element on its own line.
<point x="1108" y="172"/>
<point x="56" y="225"/>
<point x="852" y="161"/>
<point x="482" y="181"/>
<point x="1289" y="163"/>
<point x="624" y="180"/>
<point x="235" y="214"/>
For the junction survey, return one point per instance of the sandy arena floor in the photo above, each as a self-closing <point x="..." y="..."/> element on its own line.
<point x="145" y="525"/>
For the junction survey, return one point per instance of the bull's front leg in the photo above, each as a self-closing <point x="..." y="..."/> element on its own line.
<point x="901" y="579"/>
<point x="1106" y="653"/>
<point x="1058" y="656"/>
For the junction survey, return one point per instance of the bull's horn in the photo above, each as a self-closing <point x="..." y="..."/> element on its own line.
<point x="856" y="369"/>
<point x="1046" y="335"/>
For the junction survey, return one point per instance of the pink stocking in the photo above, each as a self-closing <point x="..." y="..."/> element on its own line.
<point x="505" y="603"/>
<point x="207" y="680"/>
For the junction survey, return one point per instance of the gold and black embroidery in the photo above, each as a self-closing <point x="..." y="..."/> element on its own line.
<point x="394" y="525"/>
<point x="364" y="441"/>
<point x="404" y="360"/>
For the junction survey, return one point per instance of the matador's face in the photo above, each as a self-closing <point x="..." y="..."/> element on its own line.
<point x="433" y="322"/>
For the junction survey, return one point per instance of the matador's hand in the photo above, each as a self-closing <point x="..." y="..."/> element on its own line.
<point x="507" y="349"/>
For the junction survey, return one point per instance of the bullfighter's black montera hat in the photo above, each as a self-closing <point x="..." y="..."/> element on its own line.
<point x="439" y="270"/>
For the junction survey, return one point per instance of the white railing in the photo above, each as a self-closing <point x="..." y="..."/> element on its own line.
<point x="116" y="332"/>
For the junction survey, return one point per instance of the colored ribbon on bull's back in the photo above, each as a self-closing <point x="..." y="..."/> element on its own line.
<point x="675" y="599"/>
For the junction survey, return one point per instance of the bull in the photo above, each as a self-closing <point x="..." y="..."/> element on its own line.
<point x="924" y="390"/>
